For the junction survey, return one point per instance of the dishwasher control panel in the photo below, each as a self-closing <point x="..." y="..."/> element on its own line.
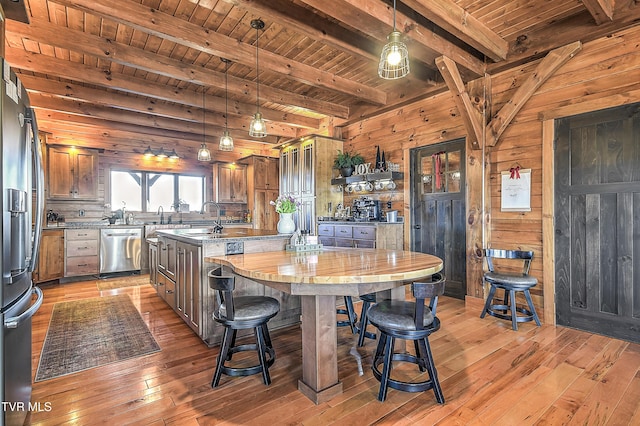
<point x="235" y="247"/>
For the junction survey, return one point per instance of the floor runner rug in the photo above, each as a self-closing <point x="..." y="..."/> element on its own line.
<point x="89" y="333"/>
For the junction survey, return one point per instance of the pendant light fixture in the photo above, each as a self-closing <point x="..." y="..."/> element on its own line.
<point x="257" y="128"/>
<point x="203" y="153"/>
<point x="226" y="141"/>
<point x="394" y="60"/>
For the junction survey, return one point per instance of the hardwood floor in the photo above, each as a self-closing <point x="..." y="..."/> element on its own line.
<point x="490" y="375"/>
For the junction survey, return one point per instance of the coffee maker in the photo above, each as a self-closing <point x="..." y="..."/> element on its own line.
<point x="365" y="209"/>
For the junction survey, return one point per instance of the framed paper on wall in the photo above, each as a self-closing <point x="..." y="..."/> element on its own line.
<point x="516" y="190"/>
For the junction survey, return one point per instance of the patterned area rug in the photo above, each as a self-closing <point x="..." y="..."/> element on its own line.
<point x="89" y="333"/>
<point x="130" y="281"/>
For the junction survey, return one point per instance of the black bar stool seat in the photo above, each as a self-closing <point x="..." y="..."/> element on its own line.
<point x="239" y="313"/>
<point x="408" y="321"/>
<point x="510" y="283"/>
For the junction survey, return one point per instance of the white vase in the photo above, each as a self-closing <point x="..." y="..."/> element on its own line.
<point x="286" y="225"/>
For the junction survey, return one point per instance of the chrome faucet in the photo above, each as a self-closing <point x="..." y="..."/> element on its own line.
<point x="161" y="213"/>
<point x="217" y="225"/>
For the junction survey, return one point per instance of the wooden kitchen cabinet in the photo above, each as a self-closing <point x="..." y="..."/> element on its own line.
<point x="153" y="264"/>
<point x="263" y="174"/>
<point x="81" y="252"/>
<point x="167" y="257"/>
<point x="51" y="256"/>
<point x="266" y="172"/>
<point x="188" y="298"/>
<point x="306" y="169"/>
<point x="72" y="173"/>
<point x="361" y="235"/>
<point x="231" y="183"/>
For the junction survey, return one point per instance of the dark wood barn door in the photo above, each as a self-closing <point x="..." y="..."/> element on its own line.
<point x="597" y="221"/>
<point x="438" y="209"/>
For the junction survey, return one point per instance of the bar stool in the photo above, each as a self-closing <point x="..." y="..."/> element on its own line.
<point x="359" y="328"/>
<point x="510" y="283"/>
<point x="367" y="301"/>
<point x="350" y="312"/>
<point x="239" y="313"/>
<point x="408" y="321"/>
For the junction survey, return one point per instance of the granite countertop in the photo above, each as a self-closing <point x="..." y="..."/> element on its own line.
<point x="206" y="235"/>
<point x="139" y="224"/>
<point x="358" y="223"/>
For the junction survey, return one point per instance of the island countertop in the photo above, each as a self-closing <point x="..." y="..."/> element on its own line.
<point x="200" y="235"/>
<point x="328" y="270"/>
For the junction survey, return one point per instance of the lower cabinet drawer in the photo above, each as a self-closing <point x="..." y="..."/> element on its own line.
<point x="327" y="241"/>
<point x="344" y="242"/>
<point x="325" y="230"/>
<point x="364" y="244"/>
<point x="82" y="248"/>
<point x="81" y="265"/>
<point x="170" y="293"/>
<point x="364" y="232"/>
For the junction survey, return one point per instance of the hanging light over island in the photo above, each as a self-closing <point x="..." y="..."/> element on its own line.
<point x="257" y="128"/>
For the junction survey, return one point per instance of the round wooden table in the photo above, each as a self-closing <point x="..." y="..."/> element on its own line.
<point x="318" y="277"/>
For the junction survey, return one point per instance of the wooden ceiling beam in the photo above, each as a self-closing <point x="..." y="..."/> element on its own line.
<point x="455" y="20"/>
<point x="38" y="63"/>
<point x="601" y="10"/>
<point x="473" y="118"/>
<point x="215" y="123"/>
<point x="534" y="44"/>
<point x="157" y="23"/>
<point x="545" y="69"/>
<point x="124" y="141"/>
<point x="366" y="16"/>
<point x="51" y="121"/>
<point x="126" y="118"/>
<point x="108" y="50"/>
<point x="290" y="15"/>
<point x="138" y="104"/>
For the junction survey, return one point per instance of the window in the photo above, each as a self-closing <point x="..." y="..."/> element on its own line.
<point x="147" y="191"/>
<point x="126" y="190"/>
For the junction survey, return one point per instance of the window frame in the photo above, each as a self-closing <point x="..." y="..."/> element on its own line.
<point x="144" y="186"/>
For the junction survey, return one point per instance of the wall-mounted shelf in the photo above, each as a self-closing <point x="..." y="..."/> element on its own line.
<point x="369" y="177"/>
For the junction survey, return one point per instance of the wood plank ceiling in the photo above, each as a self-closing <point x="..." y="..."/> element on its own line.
<point x="138" y="70"/>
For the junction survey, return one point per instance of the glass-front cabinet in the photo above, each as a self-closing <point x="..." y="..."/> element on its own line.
<point x="305" y="174"/>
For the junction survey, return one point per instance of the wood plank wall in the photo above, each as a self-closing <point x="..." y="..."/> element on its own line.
<point x="606" y="73"/>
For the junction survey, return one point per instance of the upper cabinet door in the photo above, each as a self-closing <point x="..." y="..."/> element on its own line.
<point x="267" y="173"/>
<point x="72" y="173"/>
<point x="231" y="183"/>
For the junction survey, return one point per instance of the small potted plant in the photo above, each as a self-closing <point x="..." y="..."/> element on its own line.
<point x="345" y="161"/>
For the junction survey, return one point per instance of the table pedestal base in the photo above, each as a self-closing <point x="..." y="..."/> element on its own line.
<point x="319" y="349"/>
<point x="318" y="397"/>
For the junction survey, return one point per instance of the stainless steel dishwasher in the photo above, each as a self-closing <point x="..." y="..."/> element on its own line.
<point x="120" y="249"/>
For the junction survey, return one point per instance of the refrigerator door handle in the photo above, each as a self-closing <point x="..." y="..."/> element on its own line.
<point x="14" y="276"/>
<point x="14" y="322"/>
<point x="39" y="178"/>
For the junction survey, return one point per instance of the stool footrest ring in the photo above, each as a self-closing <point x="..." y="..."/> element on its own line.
<point x="526" y="317"/>
<point x="248" y="371"/>
<point x="398" y="384"/>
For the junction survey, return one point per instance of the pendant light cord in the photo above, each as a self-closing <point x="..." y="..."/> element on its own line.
<point x="258" y="71"/>
<point x="226" y="96"/>
<point x="394" y="15"/>
<point x="204" y="139"/>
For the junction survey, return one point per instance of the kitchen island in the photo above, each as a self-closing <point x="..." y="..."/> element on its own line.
<point x="317" y="278"/>
<point x="181" y="275"/>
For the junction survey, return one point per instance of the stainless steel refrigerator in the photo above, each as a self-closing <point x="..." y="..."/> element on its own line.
<point x="22" y="210"/>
